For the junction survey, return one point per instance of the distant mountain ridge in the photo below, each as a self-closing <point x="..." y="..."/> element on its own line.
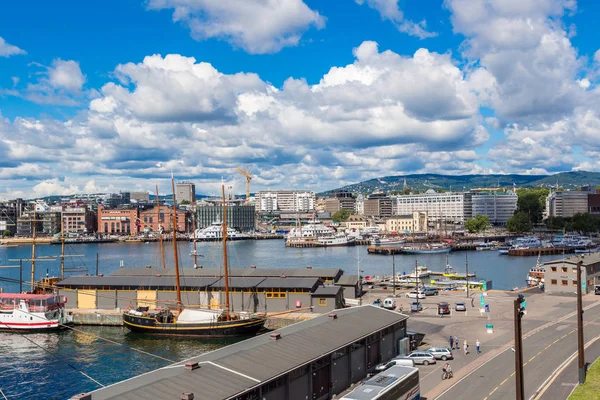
<point x="566" y="180"/>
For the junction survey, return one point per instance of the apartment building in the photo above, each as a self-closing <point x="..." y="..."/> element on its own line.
<point x="286" y="201"/>
<point x="340" y="201"/>
<point x="498" y="207"/>
<point x="415" y="222"/>
<point x="568" y="203"/>
<point x="240" y="218"/>
<point x="185" y="191"/>
<point x="377" y="206"/>
<point x="9" y="212"/>
<point x="78" y="220"/>
<point x="118" y="221"/>
<point x="159" y="218"/>
<point x="448" y="206"/>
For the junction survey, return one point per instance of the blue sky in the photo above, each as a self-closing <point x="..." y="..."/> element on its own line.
<point x="113" y="95"/>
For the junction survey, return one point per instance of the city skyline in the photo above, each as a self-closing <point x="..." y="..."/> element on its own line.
<point x="306" y="94"/>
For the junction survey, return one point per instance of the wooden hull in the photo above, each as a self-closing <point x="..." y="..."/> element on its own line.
<point x="244" y="327"/>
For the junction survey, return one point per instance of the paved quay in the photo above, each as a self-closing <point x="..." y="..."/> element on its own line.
<point x="549" y="329"/>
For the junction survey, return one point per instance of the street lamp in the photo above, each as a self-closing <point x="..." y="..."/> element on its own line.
<point x="580" y="351"/>
<point x="519" y="308"/>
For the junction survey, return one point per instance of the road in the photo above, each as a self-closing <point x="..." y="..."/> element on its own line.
<point x="543" y="352"/>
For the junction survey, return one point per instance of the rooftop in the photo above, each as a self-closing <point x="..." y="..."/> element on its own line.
<point x="588" y="259"/>
<point x="249" y="272"/>
<point x="231" y="370"/>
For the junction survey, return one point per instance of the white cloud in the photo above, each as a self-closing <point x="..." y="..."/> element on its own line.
<point x="257" y="26"/>
<point x="390" y="10"/>
<point x="7" y="50"/>
<point x="67" y="75"/>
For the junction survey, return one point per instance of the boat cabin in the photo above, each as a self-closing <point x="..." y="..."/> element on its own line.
<point x="33" y="302"/>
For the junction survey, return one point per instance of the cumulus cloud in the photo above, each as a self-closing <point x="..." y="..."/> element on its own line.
<point x="7" y="50"/>
<point x="390" y="10"/>
<point x="257" y="26"/>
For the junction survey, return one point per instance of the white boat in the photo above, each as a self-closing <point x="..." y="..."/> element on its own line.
<point x="338" y="239"/>
<point x="23" y="312"/>
<point x="312" y="229"/>
<point x="535" y="277"/>
<point x="527" y="242"/>
<point x="503" y="250"/>
<point x="587" y="249"/>
<point x="486" y="246"/>
<point x="215" y="232"/>
<point x="388" y="241"/>
<point x="428" y="249"/>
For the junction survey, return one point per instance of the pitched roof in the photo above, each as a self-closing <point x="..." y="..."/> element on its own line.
<point x="233" y="272"/>
<point x="231" y="370"/>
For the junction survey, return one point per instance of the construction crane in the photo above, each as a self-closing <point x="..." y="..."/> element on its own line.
<point x="248" y="176"/>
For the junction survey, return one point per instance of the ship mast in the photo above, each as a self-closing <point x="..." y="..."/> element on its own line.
<point x="62" y="246"/>
<point x="175" y="258"/>
<point x="33" y="222"/>
<point x="225" y="266"/>
<point x="194" y="229"/>
<point x="160" y="231"/>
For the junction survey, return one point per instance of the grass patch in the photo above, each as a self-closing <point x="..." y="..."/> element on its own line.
<point x="590" y="390"/>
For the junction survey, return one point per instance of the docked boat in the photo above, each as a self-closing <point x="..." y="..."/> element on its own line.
<point x="24" y="312"/>
<point x="428" y="249"/>
<point x="388" y="241"/>
<point x="503" y="250"/>
<point x="338" y="239"/>
<point x="312" y="229"/>
<point x="215" y="232"/>
<point x="527" y="242"/>
<point x="535" y="277"/>
<point x="587" y="249"/>
<point x="486" y="246"/>
<point x="196" y="322"/>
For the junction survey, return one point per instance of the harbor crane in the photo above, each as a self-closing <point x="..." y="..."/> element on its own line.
<point x="248" y="176"/>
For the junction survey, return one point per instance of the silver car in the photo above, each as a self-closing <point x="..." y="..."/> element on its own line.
<point x="396" y="361"/>
<point x="422" y="357"/>
<point x="441" y="353"/>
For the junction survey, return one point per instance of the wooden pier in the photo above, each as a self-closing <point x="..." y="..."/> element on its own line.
<point x="545" y="251"/>
<point x="384" y="250"/>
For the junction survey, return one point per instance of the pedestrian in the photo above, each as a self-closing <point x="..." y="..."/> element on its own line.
<point x="451" y="341"/>
<point x="466" y="347"/>
<point x="456" y="343"/>
<point x="478" y="346"/>
<point x="472" y="302"/>
<point x="441" y="312"/>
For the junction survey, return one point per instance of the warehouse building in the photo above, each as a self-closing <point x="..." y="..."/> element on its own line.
<point x="560" y="276"/>
<point x="315" y="359"/>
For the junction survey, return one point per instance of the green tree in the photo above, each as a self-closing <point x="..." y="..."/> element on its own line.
<point x="519" y="223"/>
<point x="556" y="223"/>
<point x="532" y="202"/>
<point x="6" y="233"/>
<point x="184" y="202"/>
<point x="341" y="215"/>
<point x="477" y="224"/>
<point x="584" y="223"/>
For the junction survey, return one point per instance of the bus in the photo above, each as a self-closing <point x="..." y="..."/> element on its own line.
<point x="396" y="383"/>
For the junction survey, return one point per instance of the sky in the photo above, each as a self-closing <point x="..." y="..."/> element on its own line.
<point x="103" y="96"/>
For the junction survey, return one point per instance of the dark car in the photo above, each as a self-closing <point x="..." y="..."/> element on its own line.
<point x="378" y="303"/>
<point x="443" y="308"/>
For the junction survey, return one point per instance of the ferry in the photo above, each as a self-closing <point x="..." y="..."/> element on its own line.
<point x="527" y="242"/>
<point x="314" y="228"/>
<point x="24" y="312"/>
<point x="215" y="232"/>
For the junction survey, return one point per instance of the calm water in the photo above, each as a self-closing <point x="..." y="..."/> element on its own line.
<point x="29" y="371"/>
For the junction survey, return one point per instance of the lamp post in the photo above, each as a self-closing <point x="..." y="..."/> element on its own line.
<point x="518" y="313"/>
<point x="580" y="351"/>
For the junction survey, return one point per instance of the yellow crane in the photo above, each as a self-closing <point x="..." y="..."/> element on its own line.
<point x="248" y="176"/>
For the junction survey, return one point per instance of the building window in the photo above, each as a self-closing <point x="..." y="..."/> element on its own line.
<point x="276" y="295"/>
<point x="553" y="269"/>
<point x="564" y="282"/>
<point x="322" y="302"/>
<point x="574" y="282"/>
<point x="564" y="269"/>
<point x="553" y="282"/>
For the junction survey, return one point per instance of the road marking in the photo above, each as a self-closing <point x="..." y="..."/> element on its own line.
<point x="494" y="390"/>
<point x="503" y="382"/>
<point x="532" y="358"/>
<point x="529" y="334"/>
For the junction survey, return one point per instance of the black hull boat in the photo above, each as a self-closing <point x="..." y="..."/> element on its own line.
<point x="217" y="329"/>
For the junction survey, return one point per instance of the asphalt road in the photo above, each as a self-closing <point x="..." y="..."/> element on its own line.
<point x="543" y="352"/>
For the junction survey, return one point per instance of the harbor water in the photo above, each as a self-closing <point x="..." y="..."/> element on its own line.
<point x="52" y="365"/>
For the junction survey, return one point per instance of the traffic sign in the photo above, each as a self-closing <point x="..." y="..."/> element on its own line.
<point x="482" y="301"/>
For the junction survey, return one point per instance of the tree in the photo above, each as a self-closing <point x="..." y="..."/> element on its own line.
<point x="519" y="223"/>
<point x="556" y="223"/>
<point x="6" y="233"/>
<point x="341" y="215"/>
<point x="532" y="202"/>
<point x="584" y="223"/>
<point x="184" y="202"/>
<point x="477" y="224"/>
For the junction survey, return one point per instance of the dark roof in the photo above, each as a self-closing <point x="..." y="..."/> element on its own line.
<point x="327" y="291"/>
<point x="347" y="280"/>
<point x="233" y="272"/>
<point x="188" y="282"/>
<point x="230" y="370"/>
<point x="588" y="259"/>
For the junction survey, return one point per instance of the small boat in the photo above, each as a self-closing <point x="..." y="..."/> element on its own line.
<point x="535" y="277"/>
<point x="339" y="239"/>
<point x="587" y="249"/>
<point x="486" y="246"/>
<point x="215" y="232"/>
<point x="24" y="312"/>
<point x="503" y="250"/>
<point x="388" y="241"/>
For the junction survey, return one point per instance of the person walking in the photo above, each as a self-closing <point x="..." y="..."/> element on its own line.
<point x="472" y="302"/>
<point x="451" y="341"/>
<point x="478" y="346"/>
<point x="456" y="343"/>
<point x="466" y="347"/>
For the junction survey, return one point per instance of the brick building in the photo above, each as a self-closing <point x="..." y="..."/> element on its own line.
<point x="118" y="221"/>
<point x="151" y="218"/>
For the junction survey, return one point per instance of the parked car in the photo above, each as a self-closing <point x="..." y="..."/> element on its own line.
<point x="443" y="308"/>
<point x="415" y="295"/>
<point x="430" y="291"/>
<point x="389" y="303"/>
<point x="460" y="306"/>
<point x="422" y="357"/>
<point x="441" y="353"/>
<point x="416" y="306"/>
<point x="395" y="361"/>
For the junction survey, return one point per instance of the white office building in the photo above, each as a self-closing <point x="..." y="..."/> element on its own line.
<point x="286" y="201"/>
<point x="449" y="206"/>
<point x="498" y="207"/>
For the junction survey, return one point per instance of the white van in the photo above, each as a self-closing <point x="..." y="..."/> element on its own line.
<point x="389" y="303"/>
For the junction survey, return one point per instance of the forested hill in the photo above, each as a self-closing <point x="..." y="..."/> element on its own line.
<point x="566" y="180"/>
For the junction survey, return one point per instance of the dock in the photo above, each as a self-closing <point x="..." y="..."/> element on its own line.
<point x="388" y="251"/>
<point x="545" y="251"/>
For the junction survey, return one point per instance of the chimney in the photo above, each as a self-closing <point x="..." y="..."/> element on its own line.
<point x="332" y="316"/>
<point x="187" y="396"/>
<point x="275" y="336"/>
<point x="253" y="266"/>
<point x="308" y="267"/>
<point x="158" y="275"/>
<point x="282" y="276"/>
<point x="190" y="366"/>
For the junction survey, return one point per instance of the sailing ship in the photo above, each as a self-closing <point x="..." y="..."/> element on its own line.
<point x="197" y="322"/>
